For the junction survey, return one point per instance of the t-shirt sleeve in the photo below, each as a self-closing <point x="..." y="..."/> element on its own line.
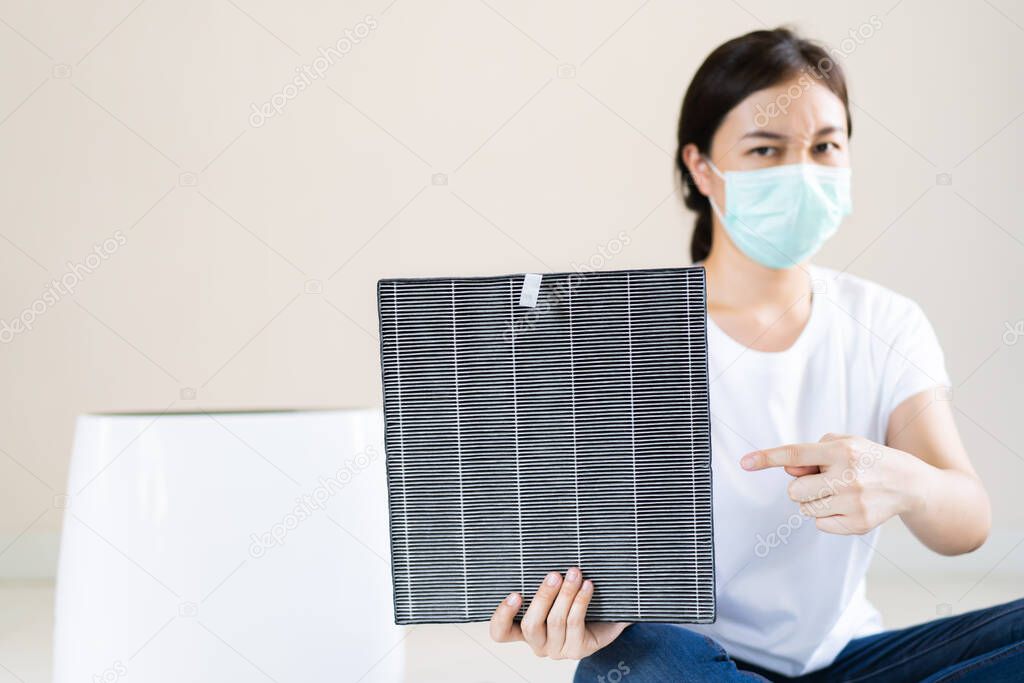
<point x="915" y="360"/>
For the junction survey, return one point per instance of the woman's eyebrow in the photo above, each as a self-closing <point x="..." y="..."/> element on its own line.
<point x="830" y="129"/>
<point x="769" y="135"/>
<point x="764" y="134"/>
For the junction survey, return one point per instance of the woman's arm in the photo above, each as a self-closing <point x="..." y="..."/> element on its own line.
<point x="952" y="514"/>
<point x="851" y="485"/>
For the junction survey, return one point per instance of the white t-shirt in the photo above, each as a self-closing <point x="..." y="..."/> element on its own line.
<point x="791" y="597"/>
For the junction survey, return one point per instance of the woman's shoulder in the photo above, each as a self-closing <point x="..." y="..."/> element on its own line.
<point x="880" y="309"/>
<point x="890" y="330"/>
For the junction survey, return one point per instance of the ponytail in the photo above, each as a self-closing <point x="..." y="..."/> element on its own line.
<point x="700" y="243"/>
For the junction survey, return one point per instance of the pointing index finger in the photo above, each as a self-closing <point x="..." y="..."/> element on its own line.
<point x="791" y="455"/>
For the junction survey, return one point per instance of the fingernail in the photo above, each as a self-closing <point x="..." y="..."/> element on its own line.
<point x="588" y="586"/>
<point x="512" y="600"/>
<point x="572" y="574"/>
<point x="552" y="579"/>
<point x="747" y="461"/>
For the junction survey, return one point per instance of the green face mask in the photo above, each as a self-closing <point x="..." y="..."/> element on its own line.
<point x="781" y="216"/>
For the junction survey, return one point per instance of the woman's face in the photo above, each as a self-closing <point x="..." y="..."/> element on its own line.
<point x="798" y="121"/>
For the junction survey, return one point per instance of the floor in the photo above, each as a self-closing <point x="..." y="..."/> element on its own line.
<point x="464" y="653"/>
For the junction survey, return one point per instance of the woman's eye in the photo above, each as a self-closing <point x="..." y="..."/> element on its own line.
<point x="823" y="147"/>
<point x="763" y="151"/>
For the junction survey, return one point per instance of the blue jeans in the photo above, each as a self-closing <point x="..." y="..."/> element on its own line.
<point x="984" y="645"/>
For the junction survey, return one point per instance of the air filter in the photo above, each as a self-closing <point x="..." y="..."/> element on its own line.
<point x="534" y="423"/>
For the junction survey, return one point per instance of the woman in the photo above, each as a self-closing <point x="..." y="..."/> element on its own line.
<point x="828" y="416"/>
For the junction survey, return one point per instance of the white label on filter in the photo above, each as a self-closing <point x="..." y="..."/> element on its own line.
<point x="531" y="290"/>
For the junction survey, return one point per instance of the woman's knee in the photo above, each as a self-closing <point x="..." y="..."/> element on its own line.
<point x="1002" y="624"/>
<point x="1013" y="616"/>
<point x="654" y="651"/>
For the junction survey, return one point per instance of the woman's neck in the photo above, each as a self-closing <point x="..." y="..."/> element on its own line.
<point x="736" y="283"/>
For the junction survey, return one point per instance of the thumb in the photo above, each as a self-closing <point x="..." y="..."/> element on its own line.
<point x="801" y="470"/>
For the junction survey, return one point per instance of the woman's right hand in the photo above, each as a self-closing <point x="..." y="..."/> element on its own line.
<point x="555" y="623"/>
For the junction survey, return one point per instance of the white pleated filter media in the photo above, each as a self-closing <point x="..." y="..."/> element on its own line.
<point x="539" y="422"/>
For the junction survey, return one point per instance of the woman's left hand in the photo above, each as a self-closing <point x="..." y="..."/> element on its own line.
<point x="850" y="485"/>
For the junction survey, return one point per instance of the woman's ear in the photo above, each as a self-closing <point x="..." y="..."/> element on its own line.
<point x="698" y="168"/>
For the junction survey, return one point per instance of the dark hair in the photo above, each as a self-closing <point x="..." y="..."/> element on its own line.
<point x="736" y="69"/>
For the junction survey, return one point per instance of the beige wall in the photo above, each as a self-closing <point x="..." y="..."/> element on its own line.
<point x="552" y="126"/>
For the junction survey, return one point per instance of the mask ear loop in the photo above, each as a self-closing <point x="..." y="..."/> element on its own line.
<point x="714" y="169"/>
